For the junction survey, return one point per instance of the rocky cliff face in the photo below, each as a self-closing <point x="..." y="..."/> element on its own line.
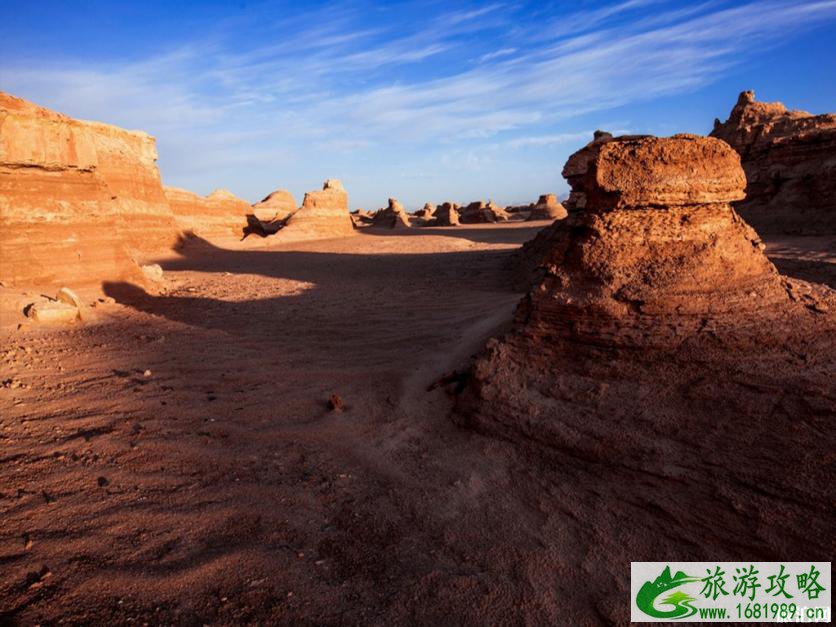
<point x="81" y="202"/>
<point x="217" y="216"/>
<point x="790" y="162"/>
<point x="658" y="341"/>
<point x="77" y="199"/>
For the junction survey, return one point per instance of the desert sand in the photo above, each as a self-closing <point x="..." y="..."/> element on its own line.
<point x="175" y="460"/>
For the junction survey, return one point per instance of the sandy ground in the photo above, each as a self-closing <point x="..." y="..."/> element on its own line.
<point x="174" y="459"/>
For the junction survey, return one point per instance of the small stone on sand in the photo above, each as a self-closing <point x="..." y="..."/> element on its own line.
<point x="335" y="403"/>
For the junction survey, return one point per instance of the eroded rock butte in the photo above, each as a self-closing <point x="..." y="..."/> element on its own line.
<point x="789" y="158"/>
<point x="323" y="214"/>
<point x="658" y="340"/>
<point x="77" y="199"/>
<point x="547" y="207"/>
<point x="393" y="216"/>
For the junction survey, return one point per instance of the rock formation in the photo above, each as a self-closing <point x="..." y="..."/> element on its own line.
<point x="547" y="207"/>
<point x="323" y="214"/>
<point x="391" y="217"/>
<point x="82" y="202"/>
<point x="790" y="162"/>
<point x="77" y="199"/>
<point x="427" y="211"/>
<point x="361" y="217"/>
<point x="499" y="213"/>
<point x="446" y="214"/>
<point x="480" y="212"/>
<point x="275" y="207"/>
<point x="655" y="319"/>
<point x="220" y="215"/>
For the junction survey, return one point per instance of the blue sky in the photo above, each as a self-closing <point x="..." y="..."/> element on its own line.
<point x="424" y="101"/>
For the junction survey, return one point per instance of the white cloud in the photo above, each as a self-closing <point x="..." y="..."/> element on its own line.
<point x="321" y="85"/>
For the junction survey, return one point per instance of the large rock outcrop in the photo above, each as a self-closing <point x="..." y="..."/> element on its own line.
<point x="220" y="215"/>
<point x="658" y="342"/>
<point x="790" y="162"/>
<point x="323" y="214"/>
<point x="77" y="199"/>
<point x="275" y="207"/>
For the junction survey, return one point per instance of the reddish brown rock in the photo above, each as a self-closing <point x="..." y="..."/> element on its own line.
<point x="276" y="206"/>
<point x="391" y="217"/>
<point x="480" y="212"/>
<point x="426" y="212"/>
<point x="498" y="212"/>
<point x="547" y="207"/>
<point x="790" y="162"/>
<point x="361" y="217"/>
<point x="658" y="342"/>
<point x="219" y="216"/>
<point x="77" y="199"/>
<point x="323" y="214"/>
<point x="446" y="214"/>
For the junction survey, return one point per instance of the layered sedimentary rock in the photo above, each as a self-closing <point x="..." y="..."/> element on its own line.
<point x="656" y="328"/>
<point x="77" y="199"/>
<point x="219" y="215"/>
<point x="790" y="162"/>
<point x="392" y="216"/>
<point x="276" y="206"/>
<point x="547" y="207"/>
<point x="323" y="214"/>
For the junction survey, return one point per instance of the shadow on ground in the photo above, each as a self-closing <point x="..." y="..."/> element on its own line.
<point x="363" y="305"/>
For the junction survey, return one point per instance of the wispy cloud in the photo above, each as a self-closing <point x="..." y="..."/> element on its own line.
<point x="555" y="139"/>
<point x="344" y="80"/>
<point x="502" y="52"/>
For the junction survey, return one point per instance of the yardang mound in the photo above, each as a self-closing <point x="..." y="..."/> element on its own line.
<point x="790" y="162"/>
<point x="277" y="205"/>
<point x="660" y="343"/>
<point x="446" y="214"/>
<point x="392" y="216"/>
<point x="323" y="214"/>
<point x="547" y="207"/>
<point x="479" y="212"/>
<point x="220" y="215"/>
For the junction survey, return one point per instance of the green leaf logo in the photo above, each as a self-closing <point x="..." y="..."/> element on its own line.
<point x="678" y="600"/>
